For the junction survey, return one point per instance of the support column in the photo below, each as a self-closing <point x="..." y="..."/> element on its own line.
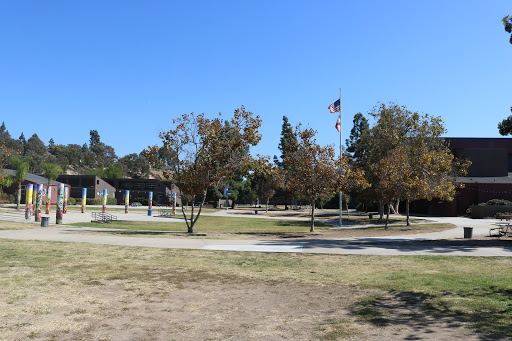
<point x="174" y="203"/>
<point x="126" y="201"/>
<point x="39" y="202"/>
<point x="48" y="198"/>
<point x="65" y="204"/>
<point x="104" y="210"/>
<point x="28" y="200"/>
<point x="60" y="203"/>
<point x="150" y="204"/>
<point x="84" y="199"/>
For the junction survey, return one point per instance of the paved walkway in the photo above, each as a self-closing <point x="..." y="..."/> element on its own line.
<point x="418" y="244"/>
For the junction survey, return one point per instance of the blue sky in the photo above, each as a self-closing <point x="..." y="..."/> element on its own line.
<point x="126" y="68"/>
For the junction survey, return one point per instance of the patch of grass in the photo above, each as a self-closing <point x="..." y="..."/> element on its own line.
<point x="11" y="225"/>
<point x="368" y="309"/>
<point x="336" y="329"/>
<point x="472" y="289"/>
<point x="214" y="224"/>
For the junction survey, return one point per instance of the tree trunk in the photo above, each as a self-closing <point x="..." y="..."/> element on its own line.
<point x="387" y="215"/>
<point x="397" y="205"/>
<point x="346" y="205"/>
<point x="19" y="197"/>
<point x="192" y="222"/>
<point x="312" y="217"/>
<point x="266" y="209"/>
<point x="407" y="211"/>
<point x="381" y="209"/>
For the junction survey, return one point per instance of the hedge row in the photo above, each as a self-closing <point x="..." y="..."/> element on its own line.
<point x="93" y="201"/>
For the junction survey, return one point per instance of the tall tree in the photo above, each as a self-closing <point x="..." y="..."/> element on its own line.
<point x="317" y="172"/>
<point x="103" y="155"/>
<point x="21" y="166"/>
<point x="134" y="166"/>
<point x="266" y="178"/>
<point x="4" y="133"/>
<point x="36" y="150"/>
<point x="288" y="138"/>
<point x="505" y="126"/>
<point x="287" y="141"/>
<point x="358" y="143"/>
<point x="50" y="171"/>
<point x="409" y="159"/>
<point x="9" y="144"/>
<point x="207" y="153"/>
<point x="22" y="140"/>
<point x="507" y="22"/>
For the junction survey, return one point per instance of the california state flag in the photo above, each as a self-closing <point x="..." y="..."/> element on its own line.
<point x="338" y="125"/>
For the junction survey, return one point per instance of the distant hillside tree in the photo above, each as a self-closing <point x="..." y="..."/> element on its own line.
<point x="134" y="165"/>
<point x="35" y="149"/>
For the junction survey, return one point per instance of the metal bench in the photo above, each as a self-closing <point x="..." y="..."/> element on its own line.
<point x="102" y="218"/>
<point x="165" y="213"/>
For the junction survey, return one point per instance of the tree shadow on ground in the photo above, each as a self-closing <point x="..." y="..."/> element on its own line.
<point x="422" y="313"/>
<point x="142" y="233"/>
<point x="398" y="244"/>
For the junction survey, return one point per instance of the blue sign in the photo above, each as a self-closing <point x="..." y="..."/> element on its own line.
<point x="227" y="191"/>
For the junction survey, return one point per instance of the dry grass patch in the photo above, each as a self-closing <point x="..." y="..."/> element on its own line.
<point x="66" y="291"/>
<point x="12" y="225"/>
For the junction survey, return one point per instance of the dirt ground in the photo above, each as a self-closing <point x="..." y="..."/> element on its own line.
<point x="218" y="309"/>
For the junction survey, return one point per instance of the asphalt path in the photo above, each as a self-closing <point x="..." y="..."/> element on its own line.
<point x="446" y="243"/>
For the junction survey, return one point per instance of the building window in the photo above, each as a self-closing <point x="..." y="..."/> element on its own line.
<point x="137" y="185"/>
<point x="124" y="185"/>
<point x="150" y="185"/>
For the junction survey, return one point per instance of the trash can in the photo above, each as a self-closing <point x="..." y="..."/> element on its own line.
<point x="468" y="232"/>
<point x="44" y="221"/>
<point x="370" y="216"/>
<point x="255" y="211"/>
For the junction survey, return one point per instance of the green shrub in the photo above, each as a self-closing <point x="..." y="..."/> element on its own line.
<point x="499" y="214"/>
<point x="496" y="202"/>
<point x="99" y="201"/>
<point x="143" y="201"/>
<point x="71" y="201"/>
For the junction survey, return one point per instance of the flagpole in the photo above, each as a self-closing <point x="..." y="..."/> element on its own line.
<point x="341" y="170"/>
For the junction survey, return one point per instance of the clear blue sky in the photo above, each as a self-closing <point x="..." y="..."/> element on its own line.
<point x="125" y="68"/>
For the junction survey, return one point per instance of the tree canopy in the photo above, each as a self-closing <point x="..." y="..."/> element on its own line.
<point x="407" y="158"/>
<point x="317" y="174"/>
<point x="207" y="152"/>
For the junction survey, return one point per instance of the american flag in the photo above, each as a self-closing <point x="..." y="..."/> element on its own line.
<point x="335" y="107"/>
